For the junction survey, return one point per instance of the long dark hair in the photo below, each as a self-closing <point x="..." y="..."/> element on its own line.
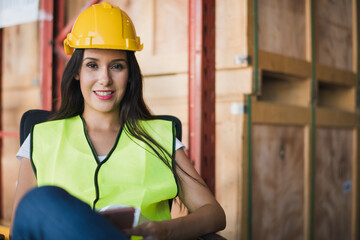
<point x="132" y="106"/>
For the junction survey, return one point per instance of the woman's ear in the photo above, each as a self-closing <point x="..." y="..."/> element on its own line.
<point x="77" y="76"/>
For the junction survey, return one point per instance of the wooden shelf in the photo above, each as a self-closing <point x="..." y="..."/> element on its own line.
<point x="327" y="117"/>
<point x="284" y="64"/>
<point x="335" y="76"/>
<point x="273" y="113"/>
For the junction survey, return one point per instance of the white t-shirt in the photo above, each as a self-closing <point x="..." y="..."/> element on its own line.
<point x="24" y="150"/>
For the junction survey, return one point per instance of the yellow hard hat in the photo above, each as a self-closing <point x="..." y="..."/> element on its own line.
<point x="103" y="26"/>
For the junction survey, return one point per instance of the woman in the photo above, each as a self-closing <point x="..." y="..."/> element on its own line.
<point x="104" y="147"/>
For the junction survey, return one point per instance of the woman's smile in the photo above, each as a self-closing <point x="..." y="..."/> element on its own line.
<point x="104" y="94"/>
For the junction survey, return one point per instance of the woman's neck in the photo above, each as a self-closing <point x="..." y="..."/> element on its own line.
<point x="101" y="121"/>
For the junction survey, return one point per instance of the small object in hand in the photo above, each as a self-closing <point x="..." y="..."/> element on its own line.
<point x="122" y="217"/>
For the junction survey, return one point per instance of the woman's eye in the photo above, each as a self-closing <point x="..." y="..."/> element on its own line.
<point x="118" y="66"/>
<point x="92" y="65"/>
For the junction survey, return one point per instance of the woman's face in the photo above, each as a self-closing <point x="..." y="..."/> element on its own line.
<point x="103" y="77"/>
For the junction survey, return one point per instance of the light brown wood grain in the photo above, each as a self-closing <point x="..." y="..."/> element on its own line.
<point x="333" y="168"/>
<point x="282" y="27"/>
<point x="334" y="33"/>
<point x="278" y="182"/>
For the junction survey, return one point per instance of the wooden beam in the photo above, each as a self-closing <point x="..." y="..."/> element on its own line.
<point x="288" y="65"/>
<point x="272" y="113"/>
<point x="335" y="76"/>
<point x="284" y="64"/>
<point x="326" y="117"/>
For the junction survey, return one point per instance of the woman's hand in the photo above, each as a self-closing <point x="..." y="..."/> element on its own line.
<point x="149" y="231"/>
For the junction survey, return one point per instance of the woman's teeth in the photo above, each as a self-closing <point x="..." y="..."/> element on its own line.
<point x="103" y="93"/>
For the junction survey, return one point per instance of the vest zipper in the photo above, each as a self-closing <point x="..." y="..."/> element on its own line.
<point x="99" y="164"/>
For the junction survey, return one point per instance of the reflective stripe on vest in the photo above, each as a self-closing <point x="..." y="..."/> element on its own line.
<point x="131" y="174"/>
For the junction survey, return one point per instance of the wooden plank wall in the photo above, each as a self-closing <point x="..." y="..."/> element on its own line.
<point x="20" y="92"/>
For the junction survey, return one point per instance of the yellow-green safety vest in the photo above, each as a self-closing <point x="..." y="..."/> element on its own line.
<point x="131" y="174"/>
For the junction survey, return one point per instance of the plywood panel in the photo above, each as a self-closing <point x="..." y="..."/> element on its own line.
<point x="229" y="136"/>
<point x="229" y="149"/>
<point x="282" y="27"/>
<point x="20" y="92"/>
<point x="20" y="57"/>
<point x="171" y="27"/>
<point x="163" y="28"/>
<point x="135" y="10"/>
<point x="334" y="149"/>
<point x="278" y="182"/>
<point x="234" y="81"/>
<point x="334" y="33"/>
<point x="231" y="32"/>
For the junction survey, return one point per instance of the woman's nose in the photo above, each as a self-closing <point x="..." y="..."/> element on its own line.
<point x="105" y="77"/>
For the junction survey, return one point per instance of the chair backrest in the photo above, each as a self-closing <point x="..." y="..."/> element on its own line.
<point x="29" y="119"/>
<point x="34" y="116"/>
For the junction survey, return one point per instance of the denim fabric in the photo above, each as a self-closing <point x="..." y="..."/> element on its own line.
<point x="51" y="213"/>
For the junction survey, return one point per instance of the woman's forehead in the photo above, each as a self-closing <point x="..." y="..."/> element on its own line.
<point x="104" y="53"/>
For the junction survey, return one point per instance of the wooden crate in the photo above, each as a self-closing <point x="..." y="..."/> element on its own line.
<point x="321" y="189"/>
<point x="282" y="118"/>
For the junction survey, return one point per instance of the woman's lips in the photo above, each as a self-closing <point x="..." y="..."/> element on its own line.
<point x="104" y="95"/>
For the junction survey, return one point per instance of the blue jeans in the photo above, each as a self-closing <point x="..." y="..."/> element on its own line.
<point x="51" y="213"/>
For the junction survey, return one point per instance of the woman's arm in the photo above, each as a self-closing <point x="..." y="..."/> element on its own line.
<point x="205" y="213"/>
<point x="26" y="181"/>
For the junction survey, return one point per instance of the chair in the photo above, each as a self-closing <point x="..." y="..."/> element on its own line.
<point x="34" y="116"/>
<point x="29" y="119"/>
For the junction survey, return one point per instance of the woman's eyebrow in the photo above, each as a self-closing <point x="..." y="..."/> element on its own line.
<point x="90" y="58"/>
<point x="119" y="59"/>
<point x="114" y="60"/>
